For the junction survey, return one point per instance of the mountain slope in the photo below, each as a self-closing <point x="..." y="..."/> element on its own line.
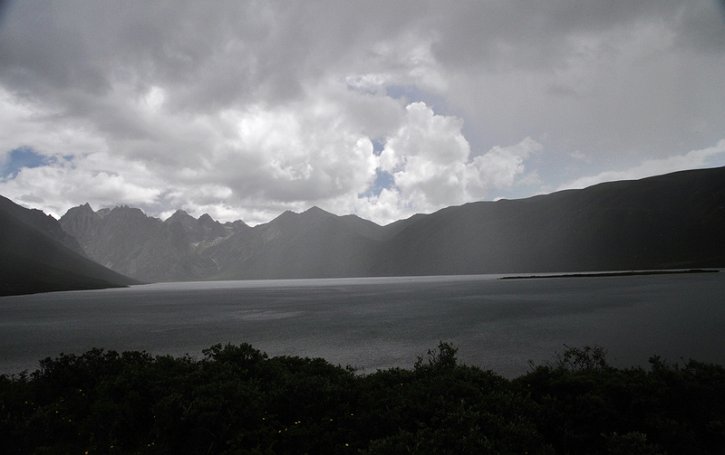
<point x="33" y="259"/>
<point x="46" y="224"/>
<point x="312" y="244"/>
<point x="669" y="221"/>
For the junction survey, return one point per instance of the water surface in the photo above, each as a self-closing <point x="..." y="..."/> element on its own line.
<point x="372" y="323"/>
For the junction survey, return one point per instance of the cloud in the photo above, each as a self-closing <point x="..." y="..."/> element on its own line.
<point x="28" y="124"/>
<point x="606" y="78"/>
<point x="432" y="166"/>
<point x="234" y="163"/>
<point x="427" y="158"/>
<point x="499" y="167"/>
<point x="693" y="159"/>
<point x="56" y="186"/>
<point x="249" y="108"/>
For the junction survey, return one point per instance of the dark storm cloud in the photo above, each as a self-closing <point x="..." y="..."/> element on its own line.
<point x="267" y="48"/>
<point x="702" y="29"/>
<point x="504" y="34"/>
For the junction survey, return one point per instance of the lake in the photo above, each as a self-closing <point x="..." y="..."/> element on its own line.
<point x="372" y="323"/>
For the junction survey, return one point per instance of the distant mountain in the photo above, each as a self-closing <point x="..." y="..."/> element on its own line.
<point x="311" y="244"/>
<point x="126" y="240"/>
<point x="670" y="221"/>
<point x="36" y="255"/>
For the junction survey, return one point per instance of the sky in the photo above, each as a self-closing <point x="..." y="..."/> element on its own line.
<point x="245" y="109"/>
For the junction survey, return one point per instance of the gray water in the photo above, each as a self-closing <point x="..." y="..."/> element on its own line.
<point x="372" y="323"/>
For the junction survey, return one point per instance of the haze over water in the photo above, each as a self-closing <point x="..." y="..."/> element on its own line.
<point x="372" y="323"/>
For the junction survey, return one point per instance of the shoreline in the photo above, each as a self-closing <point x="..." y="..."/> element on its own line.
<point x="609" y="274"/>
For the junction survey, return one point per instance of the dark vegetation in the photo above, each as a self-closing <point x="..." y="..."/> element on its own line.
<point x="237" y="400"/>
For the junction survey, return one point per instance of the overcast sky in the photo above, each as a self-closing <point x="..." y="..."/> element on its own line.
<point x="244" y="109"/>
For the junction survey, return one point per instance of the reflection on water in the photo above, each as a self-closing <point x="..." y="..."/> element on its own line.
<point x="372" y="323"/>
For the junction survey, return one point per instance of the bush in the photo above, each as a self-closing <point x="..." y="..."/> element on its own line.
<point x="238" y="400"/>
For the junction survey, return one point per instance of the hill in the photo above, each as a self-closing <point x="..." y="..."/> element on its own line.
<point x="38" y="256"/>
<point x="669" y="221"/>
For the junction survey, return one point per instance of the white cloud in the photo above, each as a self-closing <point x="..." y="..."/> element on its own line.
<point x="427" y="157"/>
<point x="499" y="167"/>
<point x="691" y="160"/>
<point x="307" y="152"/>
<point x="431" y="163"/>
<point x="251" y="163"/>
<point x="58" y="186"/>
<point x="267" y="159"/>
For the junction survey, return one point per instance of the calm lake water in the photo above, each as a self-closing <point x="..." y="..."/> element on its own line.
<point x="372" y="323"/>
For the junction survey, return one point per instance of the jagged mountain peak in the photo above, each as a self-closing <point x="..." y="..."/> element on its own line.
<point x="181" y="212"/>
<point x="124" y="212"/>
<point x="83" y="209"/>
<point x="181" y="216"/>
<point x="127" y="209"/>
<point x="315" y="210"/>
<point x="308" y="217"/>
<point x="236" y="223"/>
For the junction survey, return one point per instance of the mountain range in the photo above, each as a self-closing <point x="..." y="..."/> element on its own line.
<point x="126" y="240"/>
<point x="670" y="221"/>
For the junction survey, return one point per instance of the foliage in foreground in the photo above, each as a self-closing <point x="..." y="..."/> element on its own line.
<point x="238" y="400"/>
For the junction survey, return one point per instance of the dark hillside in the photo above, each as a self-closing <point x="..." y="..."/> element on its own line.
<point x="670" y="221"/>
<point x="33" y="261"/>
